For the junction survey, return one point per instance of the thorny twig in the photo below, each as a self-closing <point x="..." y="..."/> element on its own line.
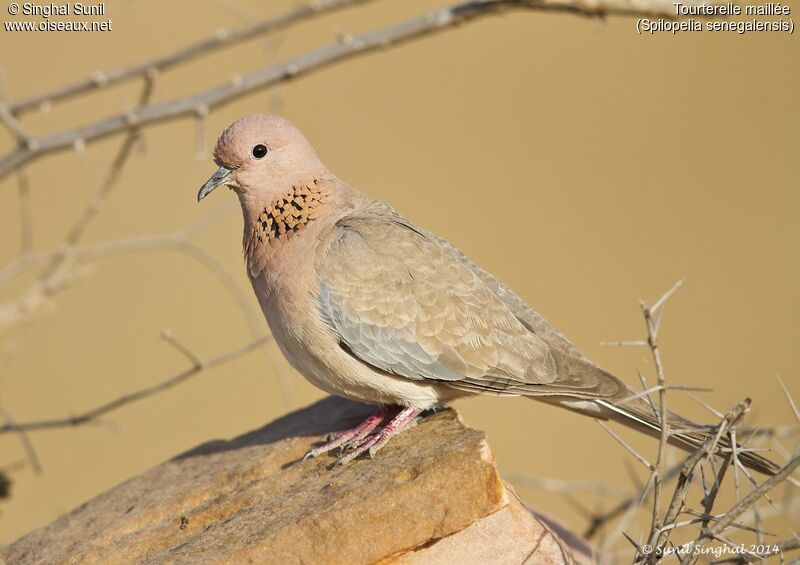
<point x="712" y="525"/>
<point x="653" y="316"/>
<point x="660" y="537"/>
<point x="748" y="501"/>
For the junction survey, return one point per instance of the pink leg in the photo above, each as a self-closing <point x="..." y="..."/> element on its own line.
<point x="352" y="436"/>
<point x="378" y="439"/>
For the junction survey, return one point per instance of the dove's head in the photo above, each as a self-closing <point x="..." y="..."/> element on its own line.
<point x="262" y="157"/>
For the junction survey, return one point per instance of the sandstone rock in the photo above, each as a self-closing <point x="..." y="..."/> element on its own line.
<point x="432" y="495"/>
<point x="510" y="535"/>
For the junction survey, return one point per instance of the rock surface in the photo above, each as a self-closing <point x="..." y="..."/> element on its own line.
<point x="432" y="495"/>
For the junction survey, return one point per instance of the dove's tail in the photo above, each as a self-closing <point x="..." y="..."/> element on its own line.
<point x="638" y="414"/>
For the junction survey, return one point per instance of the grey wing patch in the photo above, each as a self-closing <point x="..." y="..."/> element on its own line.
<point x="401" y="302"/>
<point x="529" y="317"/>
<point x="379" y="346"/>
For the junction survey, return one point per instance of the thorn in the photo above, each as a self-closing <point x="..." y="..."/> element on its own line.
<point x="343" y="37"/>
<point x="708" y="407"/>
<point x="99" y="78"/>
<point x="789" y="399"/>
<point x="666" y="296"/>
<point x="630" y="449"/>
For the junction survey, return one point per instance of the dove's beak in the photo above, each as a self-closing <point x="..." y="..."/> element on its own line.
<point x="220" y="177"/>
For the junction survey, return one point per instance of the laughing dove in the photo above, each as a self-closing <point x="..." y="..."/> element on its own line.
<point x="368" y="306"/>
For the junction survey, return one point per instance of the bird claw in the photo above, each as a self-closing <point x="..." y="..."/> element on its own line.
<point x="340" y="450"/>
<point x="339" y="462"/>
<point x="352" y="444"/>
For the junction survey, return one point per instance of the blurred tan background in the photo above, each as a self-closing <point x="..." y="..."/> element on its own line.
<point x="631" y="161"/>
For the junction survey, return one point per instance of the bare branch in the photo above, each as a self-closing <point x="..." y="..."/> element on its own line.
<point x="659" y="538"/>
<point x="415" y="28"/>
<point x="652" y="341"/>
<point x="727" y="519"/>
<point x="104" y="409"/>
<point x="702" y="516"/>
<point x="222" y="39"/>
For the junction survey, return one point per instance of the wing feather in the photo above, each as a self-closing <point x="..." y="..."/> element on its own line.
<point x="401" y="301"/>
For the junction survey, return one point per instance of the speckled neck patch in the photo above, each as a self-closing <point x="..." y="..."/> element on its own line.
<point x="289" y="214"/>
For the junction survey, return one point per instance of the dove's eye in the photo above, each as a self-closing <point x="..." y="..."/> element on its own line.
<point x="260" y="151"/>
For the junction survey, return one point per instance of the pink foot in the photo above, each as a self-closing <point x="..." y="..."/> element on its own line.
<point x="346" y="438"/>
<point x="372" y="443"/>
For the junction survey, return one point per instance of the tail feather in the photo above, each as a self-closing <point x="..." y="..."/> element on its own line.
<point x="587" y="389"/>
<point x="637" y="414"/>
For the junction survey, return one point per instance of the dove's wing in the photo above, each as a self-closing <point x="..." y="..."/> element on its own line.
<point x="402" y="302"/>
<point x="529" y="317"/>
